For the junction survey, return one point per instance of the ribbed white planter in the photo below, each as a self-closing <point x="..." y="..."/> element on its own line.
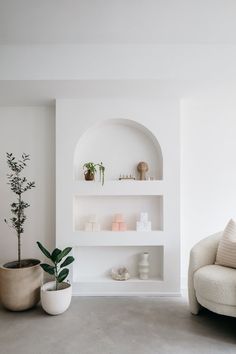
<point x="55" y="302"/>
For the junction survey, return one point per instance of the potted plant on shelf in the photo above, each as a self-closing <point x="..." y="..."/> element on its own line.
<point x="20" y="280"/>
<point x="56" y="295"/>
<point x="91" y="169"/>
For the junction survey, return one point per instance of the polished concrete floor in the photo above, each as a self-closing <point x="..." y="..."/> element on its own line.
<point x="118" y="326"/>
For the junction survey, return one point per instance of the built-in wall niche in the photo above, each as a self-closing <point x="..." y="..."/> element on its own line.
<point x="120" y="144"/>
<point x="105" y="207"/>
<point x="94" y="264"/>
<point x="119" y="133"/>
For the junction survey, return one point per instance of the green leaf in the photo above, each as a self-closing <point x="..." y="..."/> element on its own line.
<point x="67" y="261"/>
<point x="48" y="268"/>
<point x="63" y="254"/>
<point x="43" y="249"/>
<point x="55" y="254"/>
<point x="62" y="276"/>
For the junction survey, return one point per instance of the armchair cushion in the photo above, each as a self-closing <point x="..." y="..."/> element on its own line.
<point x="216" y="284"/>
<point x="226" y="253"/>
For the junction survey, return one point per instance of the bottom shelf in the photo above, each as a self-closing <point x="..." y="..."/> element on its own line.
<point x="117" y="282"/>
<point x="96" y="262"/>
<point x="110" y="287"/>
<point x="132" y="287"/>
<point x="92" y="270"/>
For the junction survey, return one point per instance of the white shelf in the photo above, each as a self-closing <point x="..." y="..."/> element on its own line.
<point x="107" y="279"/>
<point x="120" y="238"/>
<point x="124" y="187"/>
<point x="132" y="287"/>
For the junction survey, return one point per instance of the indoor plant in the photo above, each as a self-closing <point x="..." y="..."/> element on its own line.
<point x="56" y="295"/>
<point x="91" y="169"/>
<point x="20" y="280"/>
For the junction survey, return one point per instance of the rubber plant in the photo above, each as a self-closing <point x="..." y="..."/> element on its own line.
<point x="56" y="257"/>
<point x="18" y="185"/>
<point x="91" y="167"/>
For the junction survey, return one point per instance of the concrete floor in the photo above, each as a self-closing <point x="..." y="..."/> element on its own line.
<point x="118" y="326"/>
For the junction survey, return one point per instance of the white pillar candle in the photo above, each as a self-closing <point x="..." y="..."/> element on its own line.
<point x="88" y="226"/>
<point x="144" y="217"/>
<point x="96" y="227"/>
<point x="93" y="218"/>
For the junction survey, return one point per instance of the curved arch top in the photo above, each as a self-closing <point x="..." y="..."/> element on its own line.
<point x="120" y="144"/>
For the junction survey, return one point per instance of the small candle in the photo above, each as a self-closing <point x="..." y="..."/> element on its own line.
<point x="122" y="226"/>
<point x="96" y="226"/>
<point x="115" y="226"/>
<point x="119" y="218"/>
<point x="88" y="226"/>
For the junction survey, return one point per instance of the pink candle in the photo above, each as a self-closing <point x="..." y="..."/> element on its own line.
<point x="119" y="218"/>
<point x="122" y="226"/>
<point x="115" y="226"/>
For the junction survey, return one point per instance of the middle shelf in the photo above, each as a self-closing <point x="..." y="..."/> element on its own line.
<point x="105" y="207"/>
<point x="112" y="238"/>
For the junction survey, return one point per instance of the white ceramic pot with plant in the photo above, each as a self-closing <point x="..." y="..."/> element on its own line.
<point x="20" y="280"/>
<point x="56" y="295"/>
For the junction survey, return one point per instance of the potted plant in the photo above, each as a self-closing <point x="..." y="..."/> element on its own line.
<point x="56" y="295"/>
<point x="20" y="280"/>
<point x="91" y="169"/>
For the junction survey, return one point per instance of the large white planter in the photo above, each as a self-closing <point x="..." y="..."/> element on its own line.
<point x="55" y="302"/>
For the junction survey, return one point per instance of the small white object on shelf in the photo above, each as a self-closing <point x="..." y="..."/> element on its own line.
<point x="120" y="273"/>
<point x="93" y="218"/>
<point x="143" y="217"/>
<point x="88" y="226"/>
<point x="143" y="224"/>
<point x="144" y="266"/>
<point x="96" y="226"/>
<point x="92" y="224"/>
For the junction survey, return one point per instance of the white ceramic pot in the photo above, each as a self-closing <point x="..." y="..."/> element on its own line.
<point x="55" y="302"/>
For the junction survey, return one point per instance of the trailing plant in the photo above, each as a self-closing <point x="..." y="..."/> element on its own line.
<point x="56" y="257"/>
<point x="19" y="185"/>
<point x="92" y="168"/>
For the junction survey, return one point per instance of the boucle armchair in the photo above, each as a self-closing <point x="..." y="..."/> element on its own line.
<point x="209" y="285"/>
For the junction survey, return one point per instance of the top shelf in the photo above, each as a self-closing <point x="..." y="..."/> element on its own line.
<point x="116" y="187"/>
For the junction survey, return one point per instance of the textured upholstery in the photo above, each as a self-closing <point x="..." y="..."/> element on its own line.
<point x="216" y="283"/>
<point x="226" y="253"/>
<point x="210" y="285"/>
<point x="202" y="254"/>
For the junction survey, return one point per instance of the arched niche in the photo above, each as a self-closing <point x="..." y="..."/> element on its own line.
<point x="120" y="144"/>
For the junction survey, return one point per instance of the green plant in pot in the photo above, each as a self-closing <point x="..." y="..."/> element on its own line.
<point x="91" y="170"/>
<point x="20" y="280"/>
<point x="56" y="295"/>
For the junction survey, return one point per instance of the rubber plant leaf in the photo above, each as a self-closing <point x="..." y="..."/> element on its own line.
<point x="55" y="255"/>
<point x="62" y="275"/>
<point x="67" y="261"/>
<point x="63" y="254"/>
<point x="43" y="249"/>
<point x="48" y="268"/>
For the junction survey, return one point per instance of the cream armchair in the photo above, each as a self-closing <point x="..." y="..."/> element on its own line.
<point x="210" y="285"/>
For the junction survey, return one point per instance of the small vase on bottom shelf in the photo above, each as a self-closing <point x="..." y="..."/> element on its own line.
<point x="144" y="266"/>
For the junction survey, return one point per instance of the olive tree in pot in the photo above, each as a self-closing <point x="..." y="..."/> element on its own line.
<point x="20" y="280"/>
<point x="56" y="295"/>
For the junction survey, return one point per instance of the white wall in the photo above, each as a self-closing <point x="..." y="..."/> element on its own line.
<point x="30" y="130"/>
<point x="208" y="181"/>
<point x="118" y="62"/>
<point x="208" y="193"/>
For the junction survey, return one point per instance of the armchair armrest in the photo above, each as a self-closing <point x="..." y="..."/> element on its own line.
<point x="202" y="254"/>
